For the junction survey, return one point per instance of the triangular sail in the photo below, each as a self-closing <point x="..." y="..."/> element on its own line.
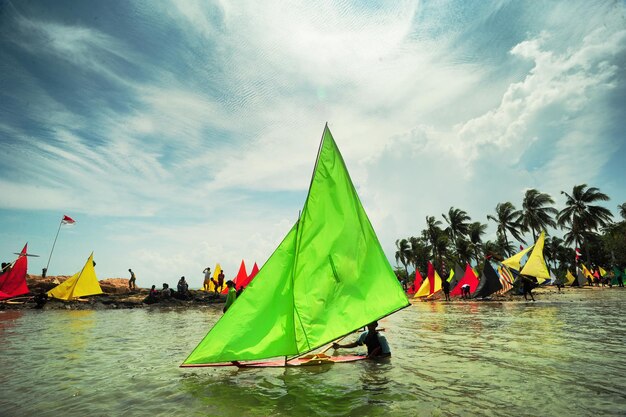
<point x="489" y="282"/>
<point x="536" y="266"/>
<point x="417" y="283"/>
<point x="13" y="281"/>
<point x="586" y="272"/>
<point x="514" y="261"/>
<point x="241" y="280"/>
<point x="506" y="279"/>
<point x="245" y="282"/>
<point x="430" y="283"/>
<point x="580" y="278"/>
<point x="569" y="278"/>
<point x="458" y="274"/>
<point x="328" y="277"/>
<point x="81" y="284"/>
<point x="435" y="286"/>
<point x="468" y="278"/>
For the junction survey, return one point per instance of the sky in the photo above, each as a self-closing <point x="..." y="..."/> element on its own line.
<point x="181" y="134"/>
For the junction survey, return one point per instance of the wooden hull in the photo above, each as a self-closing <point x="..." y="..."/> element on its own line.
<point x="280" y="363"/>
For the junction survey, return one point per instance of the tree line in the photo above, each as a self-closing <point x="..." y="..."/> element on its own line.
<point x="587" y="226"/>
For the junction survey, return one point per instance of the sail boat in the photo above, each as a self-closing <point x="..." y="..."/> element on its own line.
<point x="489" y="282"/>
<point x="536" y="266"/>
<point x="327" y="278"/>
<point x="81" y="284"/>
<point x="13" y="280"/>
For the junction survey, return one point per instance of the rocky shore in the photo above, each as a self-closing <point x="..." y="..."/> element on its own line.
<point x="116" y="295"/>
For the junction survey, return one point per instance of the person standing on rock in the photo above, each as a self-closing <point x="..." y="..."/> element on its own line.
<point x="131" y="281"/>
<point x="207" y="278"/>
<point x="220" y="281"/>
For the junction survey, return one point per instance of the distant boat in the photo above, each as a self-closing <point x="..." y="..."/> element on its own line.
<point x="417" y="283"/>
<point x="489" y="282"/>
<point x="81" y="284"/>
<point x="327" y="278"/>
<point x="13" y="280"/>
<point x="468" y="278"/>
<point x="431" y="285"/>
<point x="536" y="265"/>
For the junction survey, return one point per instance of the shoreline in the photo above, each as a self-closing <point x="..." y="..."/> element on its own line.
<point x="118" y="296"/>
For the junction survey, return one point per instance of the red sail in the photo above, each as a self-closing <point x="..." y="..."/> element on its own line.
<point x="417" y="283"/>
<point x="468" y="278"/>
<point x="13" y="281"/>
<point x="241" y="278"/>
<point x="248" y="280"/>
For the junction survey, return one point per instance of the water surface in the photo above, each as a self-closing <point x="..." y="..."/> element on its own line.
<point x="561" y="357"/>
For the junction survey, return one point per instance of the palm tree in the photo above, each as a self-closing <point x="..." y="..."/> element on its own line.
<point x="458" y="224"/>
<point x="553" y="246"/>
<point x="432" y="233"/>
<point x="464" y="251"/>
<point x="622" y="210"/>
<point x="507" y="219"/>
<point x="420" y="252"/>
<point x="536" y="214"/>
<point x="476" y="232"/>
<point x="403" y="253"/>
<point x="581" y="217"/>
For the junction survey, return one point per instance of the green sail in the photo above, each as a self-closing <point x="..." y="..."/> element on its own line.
<point x="328" y="277"/>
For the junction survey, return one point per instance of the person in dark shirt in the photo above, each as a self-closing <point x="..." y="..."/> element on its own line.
<point x="527" y="286"/>
<point x="377" y="346"/>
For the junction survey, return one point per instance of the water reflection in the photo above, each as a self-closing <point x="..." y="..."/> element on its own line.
<point x="459" y="358"/>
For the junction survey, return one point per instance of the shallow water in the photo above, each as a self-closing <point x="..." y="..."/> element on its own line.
<point x="562" y="357"/>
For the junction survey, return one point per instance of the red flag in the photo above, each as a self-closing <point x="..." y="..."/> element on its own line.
<point x="67" y="220"/>
<point x="578" y="254"/>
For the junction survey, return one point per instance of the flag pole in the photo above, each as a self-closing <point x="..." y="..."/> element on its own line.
<point x="55" y="242"/>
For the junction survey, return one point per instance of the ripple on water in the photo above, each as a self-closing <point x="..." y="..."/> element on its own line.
<point x="499" y="359"/>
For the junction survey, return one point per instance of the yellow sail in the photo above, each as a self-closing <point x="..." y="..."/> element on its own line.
<point x="602" y="271"/>
<point x="424" y="289"/>
<point x="451" y="275"/>
<point x="536" y="265"/>
<point x="437" y="285"/>
<point x="587" y="273"/>
<point x="81" y="284"/>
<point x="569" y="278"/>
<point x="514" y="261"/>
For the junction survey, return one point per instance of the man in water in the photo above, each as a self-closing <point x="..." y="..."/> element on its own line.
<point x="131" y="281"/>
<point x="377" y="346"/>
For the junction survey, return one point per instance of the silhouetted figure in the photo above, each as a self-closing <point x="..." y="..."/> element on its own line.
<point x="131" y="281"/>
<point x="41" y="298"/>
<point x="527" y="286"/>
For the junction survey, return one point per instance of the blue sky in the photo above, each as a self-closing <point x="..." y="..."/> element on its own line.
<point x="180" y="134"/>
